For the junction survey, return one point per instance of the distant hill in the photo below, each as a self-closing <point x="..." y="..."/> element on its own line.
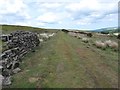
<point x="9" y="28"/>
<point x="108" y="30"/>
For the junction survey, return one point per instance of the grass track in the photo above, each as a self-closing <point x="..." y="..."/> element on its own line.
<point x="64" y="61"/>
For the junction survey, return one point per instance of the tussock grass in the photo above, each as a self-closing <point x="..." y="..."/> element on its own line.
<point x="66" y="62"/>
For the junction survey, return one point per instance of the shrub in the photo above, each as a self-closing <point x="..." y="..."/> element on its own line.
<point x="89" y="35"/>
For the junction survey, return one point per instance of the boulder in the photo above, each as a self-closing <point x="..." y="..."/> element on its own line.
<point x="16" y="70"/>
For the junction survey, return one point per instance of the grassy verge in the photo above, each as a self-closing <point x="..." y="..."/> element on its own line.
<point x="64" y="61"/>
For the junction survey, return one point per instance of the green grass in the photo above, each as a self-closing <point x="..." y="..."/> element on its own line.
<point x="0" y="46"/>
<point x="11" y="28"/>
<point x="66" y="62"/>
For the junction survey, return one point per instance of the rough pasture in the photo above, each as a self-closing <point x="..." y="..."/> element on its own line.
<point x="66" y="62"/>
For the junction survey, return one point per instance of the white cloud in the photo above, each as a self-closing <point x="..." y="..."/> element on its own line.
<point x="83" y="4"/>
<point x="48" y="17"/>
<point x="24" y="14"/>
<point x="84" y="21"/>
<point x="13" y="7"/>
<point x="85" y="12"/>
<point x="51" y="17"/>
<point x="50" y="5"/>
<point x="30" y="23"/>
<point x="23" y="23"/>
<point x="111" y="17"/>
<point x="52" y="1"/>
<point x="96" y="18"/>
<point x="93" y="5"/>
<point x="71" y="13"/>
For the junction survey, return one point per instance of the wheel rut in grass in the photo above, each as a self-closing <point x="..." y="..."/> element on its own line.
<point x="96" y="69"/>
<point x="65" y="61"/>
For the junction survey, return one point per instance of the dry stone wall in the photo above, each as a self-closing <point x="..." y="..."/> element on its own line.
<point x="19" y="43"/>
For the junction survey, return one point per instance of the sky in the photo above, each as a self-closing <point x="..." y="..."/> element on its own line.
<point x="62" y="14"/>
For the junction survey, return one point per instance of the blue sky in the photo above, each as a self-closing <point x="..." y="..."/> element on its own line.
<point x="69" y="14"/>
